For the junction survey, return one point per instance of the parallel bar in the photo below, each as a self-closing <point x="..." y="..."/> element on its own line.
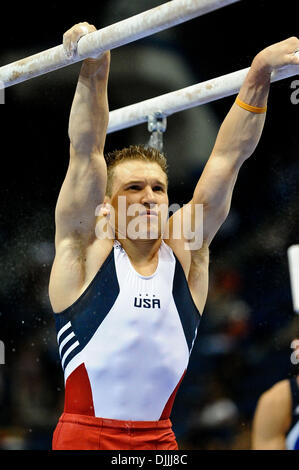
<point x="186" y="98"/>
<point x="92" y="45"/>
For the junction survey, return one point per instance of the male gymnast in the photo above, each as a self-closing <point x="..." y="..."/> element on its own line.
<point x="128" y="302"/>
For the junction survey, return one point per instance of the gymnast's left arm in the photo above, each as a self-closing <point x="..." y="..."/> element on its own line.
<point x="239" y="135"/>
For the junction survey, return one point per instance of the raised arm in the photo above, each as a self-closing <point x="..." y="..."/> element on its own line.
<point x="239" y="136"/>
<point x="85" y="183"/>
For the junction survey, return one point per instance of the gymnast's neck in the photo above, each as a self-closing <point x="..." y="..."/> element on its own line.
<point x="141" y="251"/>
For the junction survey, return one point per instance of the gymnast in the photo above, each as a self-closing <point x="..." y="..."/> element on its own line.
<point x="276" y="419"/>
<point x="128" y="292"/>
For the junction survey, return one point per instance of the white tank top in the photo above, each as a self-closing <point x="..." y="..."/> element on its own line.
<point x="128" y="338"/>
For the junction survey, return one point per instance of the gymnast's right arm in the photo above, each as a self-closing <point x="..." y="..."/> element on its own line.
<point x="85" y="183"/>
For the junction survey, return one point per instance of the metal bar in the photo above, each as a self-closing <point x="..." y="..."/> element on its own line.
<point x="186" y="98"/>
<point x="92" y="45"/>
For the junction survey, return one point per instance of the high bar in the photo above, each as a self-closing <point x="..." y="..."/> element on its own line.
<point x="93" y="44"/>
<point x="190" y="97"/>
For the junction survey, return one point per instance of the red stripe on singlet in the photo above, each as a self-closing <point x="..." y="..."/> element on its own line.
<point x="78" y="394"/>
<point x="169" y="404"/>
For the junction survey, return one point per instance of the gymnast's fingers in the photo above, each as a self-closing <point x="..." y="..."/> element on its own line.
<point x="73" y="35"/>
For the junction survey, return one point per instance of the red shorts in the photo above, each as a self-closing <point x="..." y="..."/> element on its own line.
<point x="80" y="432"/>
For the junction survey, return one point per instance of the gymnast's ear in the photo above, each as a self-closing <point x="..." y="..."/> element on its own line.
<point x="107" y="200"/>
<point x="104" y="209"/>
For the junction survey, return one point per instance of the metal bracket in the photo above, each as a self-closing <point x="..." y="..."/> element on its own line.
<point x="157" y="124"/>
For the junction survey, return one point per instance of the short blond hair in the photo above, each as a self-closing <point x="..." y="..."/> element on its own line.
<point x="134" y="152"/>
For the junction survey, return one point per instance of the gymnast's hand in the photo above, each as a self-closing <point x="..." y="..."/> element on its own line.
<point x="91" y="67"/>
<point x="278" y="55"/>
<point x="73" y="35"/>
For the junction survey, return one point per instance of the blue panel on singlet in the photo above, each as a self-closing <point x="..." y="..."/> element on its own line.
<point x="295" y="411"/>
<point x="88" y="312"/>
<point x="189" y="314"/>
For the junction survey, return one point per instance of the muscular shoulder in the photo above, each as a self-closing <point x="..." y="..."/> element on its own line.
<point x="191" y="260"/>
<point x="73" y="270"/>
<point x="195" y="264"/>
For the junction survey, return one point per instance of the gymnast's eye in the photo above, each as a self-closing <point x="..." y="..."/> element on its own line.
<point x="135" y="187"/>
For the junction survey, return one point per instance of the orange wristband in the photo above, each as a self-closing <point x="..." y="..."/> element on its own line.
<point x="248" y="107"/>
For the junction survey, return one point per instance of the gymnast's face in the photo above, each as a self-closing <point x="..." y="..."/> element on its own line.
<point x="139" y="199"/>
